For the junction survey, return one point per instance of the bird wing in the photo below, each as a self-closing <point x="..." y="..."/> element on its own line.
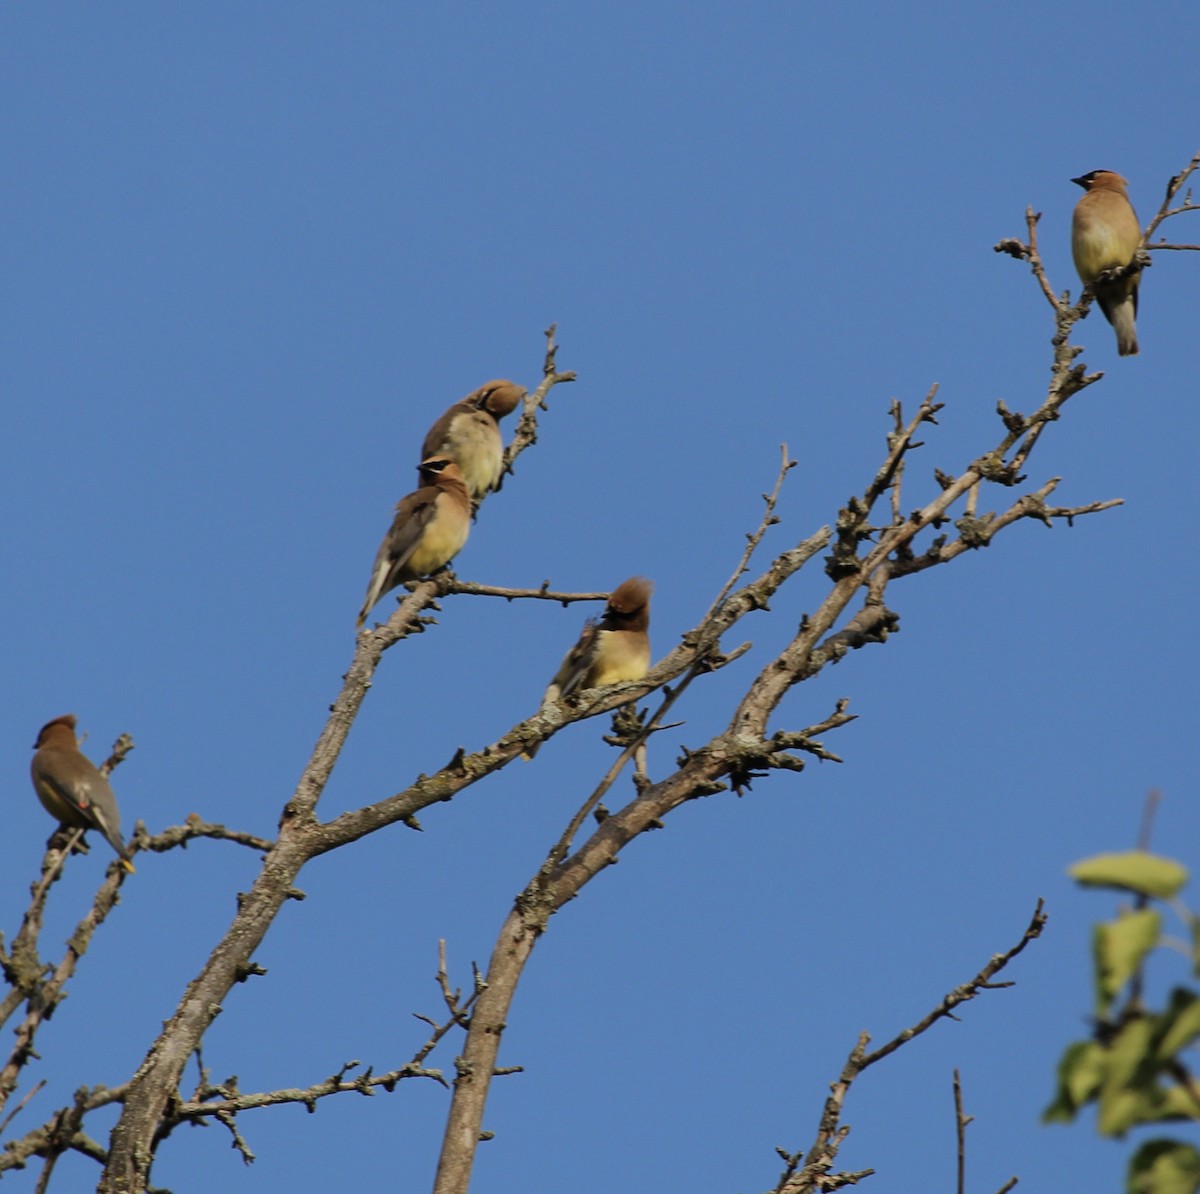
<point x="68" y="800"/>
<point x="576" y="664"/>
<point x="90" y="797"/>
<point x="435" y="439"/>
<point x="413" y="515"/>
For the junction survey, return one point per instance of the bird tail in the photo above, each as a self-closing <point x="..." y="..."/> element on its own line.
<point x="1119" y="305"/>
<point x="375" y="590"/>
<point x="1123" y="324"/>
<point x="123" y="852"/>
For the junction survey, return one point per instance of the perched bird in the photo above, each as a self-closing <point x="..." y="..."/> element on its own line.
<point x="469" y="433"/>
<point x="1105" y="234"/>
<point x="615" y="648"/>
<point x="71" y="789"/>
<point x="429" y="530"/>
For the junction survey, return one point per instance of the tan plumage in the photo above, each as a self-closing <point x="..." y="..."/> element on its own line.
<point x="429" y="530"/>
<point x="1105" y="234"/>
<point x="469" y="433"/>
<point x="615" y="648"/>
<point x="71" y="789"/>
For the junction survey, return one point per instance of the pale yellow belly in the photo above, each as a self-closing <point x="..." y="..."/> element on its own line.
<point x="441" y="542"/>
<point x="618" y="657"/>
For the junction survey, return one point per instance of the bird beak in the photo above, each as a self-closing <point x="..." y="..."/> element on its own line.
<point x="1080" y="182"/>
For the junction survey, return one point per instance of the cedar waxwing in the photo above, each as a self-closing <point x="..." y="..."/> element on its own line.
<point x="469" y="433"/>
<point x="429" y="530"/>
<point x="71" y="789"/>
<point x="1105" y="233"/>
<point x="615" y="648"/>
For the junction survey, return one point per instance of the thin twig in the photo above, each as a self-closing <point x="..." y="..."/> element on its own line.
<point x="899" y="445"/>
<point x="814" y="1174"/>
<point x="194" y="827"/>
<point x="21" y="1105"/>
<point x="1165" y="210"/>
<point x="753" y="539"/>
<point x="981" y="982"/>
<point x="960" y="1132"/>
<point x="470" y="588"/>
<point x="1149" y="811"/>
<point x="337" y="1083"/>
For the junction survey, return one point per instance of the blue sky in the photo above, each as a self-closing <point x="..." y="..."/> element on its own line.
<point x="253" y="251"/>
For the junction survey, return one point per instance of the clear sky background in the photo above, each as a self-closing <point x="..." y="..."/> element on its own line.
<point x="252" y="251"/>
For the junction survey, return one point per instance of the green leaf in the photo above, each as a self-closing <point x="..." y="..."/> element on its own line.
<point x="1119" y="947"/>
<point x="1181" y="1022"/>
<point x="1164" y="1167"/>
<point x="1135" y="871"/>
<point x="1080" y="1075"/>
<point x="1129" y="1095"/>
<point x="1179" y="1102"/>
<point x="1121" y="1109"/>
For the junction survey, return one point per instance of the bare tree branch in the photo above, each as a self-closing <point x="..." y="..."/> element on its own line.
<point x="1166" y="211"/>
<point x="61" y="1132"/>
<point x="194" y="827"/>
<point x="882" y="534"/>
<point x="812" y="1172"/>
<point x="745" y="750"/>
<point x="960" y="1132"/>
<point x="301" y="838"/>
<point x="961" y="994"/>
<point x="545" y="593"/>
